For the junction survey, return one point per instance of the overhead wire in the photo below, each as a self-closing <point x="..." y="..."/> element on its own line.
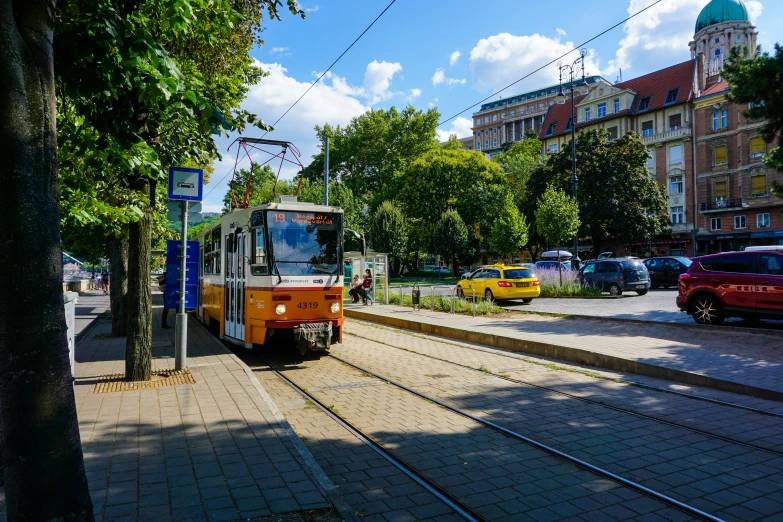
<point x="550" y="63"/>
<point x="315" y="82"/>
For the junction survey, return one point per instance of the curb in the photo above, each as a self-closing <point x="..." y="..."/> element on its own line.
<point x="331" y="491"/>
<point x="574" y="355"/>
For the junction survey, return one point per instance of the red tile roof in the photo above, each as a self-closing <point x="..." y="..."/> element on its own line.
<point x="715" y="88"/>
<point x="656" y="85"/>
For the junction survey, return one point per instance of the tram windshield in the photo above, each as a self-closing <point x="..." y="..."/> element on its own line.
<point x="305" y="242"/>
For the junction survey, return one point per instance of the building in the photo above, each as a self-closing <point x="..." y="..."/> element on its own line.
<point x="508" y="119"/>
<point x="467" y="143"/>
<point x="703" y="149"/>
<point x="736" y="207"/>
<point x="657" y="107"/>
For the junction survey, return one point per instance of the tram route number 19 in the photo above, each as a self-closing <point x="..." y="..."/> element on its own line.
<point x="305" y="305"/>
<point x="279" y="218"/>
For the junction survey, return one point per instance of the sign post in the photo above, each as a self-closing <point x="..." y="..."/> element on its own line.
<point x="185" y="185"/>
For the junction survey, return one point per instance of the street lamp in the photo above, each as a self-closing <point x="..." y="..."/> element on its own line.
<point x="571" y="71"/>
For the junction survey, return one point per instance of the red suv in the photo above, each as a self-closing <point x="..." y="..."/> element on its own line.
<point x="733" y="284"/>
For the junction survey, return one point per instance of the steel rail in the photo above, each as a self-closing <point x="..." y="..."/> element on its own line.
<point x="442" y="495"/>
<point x="581" y="463"/>
<point x="515" y="357"/>
<point x="723" y="438"/>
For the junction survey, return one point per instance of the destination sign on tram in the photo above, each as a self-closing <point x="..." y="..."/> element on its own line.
<point x="303" y="218"/>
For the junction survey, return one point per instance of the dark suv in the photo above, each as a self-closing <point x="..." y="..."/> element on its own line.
<point x="733" y="284"/>
<point x="616" y="275"/>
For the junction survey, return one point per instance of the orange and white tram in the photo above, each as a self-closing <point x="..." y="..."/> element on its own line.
<point x="274" y="269"/>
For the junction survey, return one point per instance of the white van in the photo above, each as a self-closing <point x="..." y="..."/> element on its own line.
<point x="774" y="248"/>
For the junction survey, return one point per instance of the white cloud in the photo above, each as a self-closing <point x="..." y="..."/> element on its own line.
<point x="560" y="32"/>
<point x="454" y="57"/>
<point x="412" y="95"/>
<point x="440" y="77"/>
<point x="377" y="79"/>
<point x="659" y="37"/>
<point x="279" y="50"/>
<point x="459" y="126"/>
<point x="331" y="100"/>
<point x="433" y="103"/>
<point x="503" y="58"/>
<point x="313" y="9"/>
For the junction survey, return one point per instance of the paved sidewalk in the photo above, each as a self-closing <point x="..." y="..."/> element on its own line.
<point x="90" y="306"/>
<point x="744" y="362"/>
<point x="216" y="450"/>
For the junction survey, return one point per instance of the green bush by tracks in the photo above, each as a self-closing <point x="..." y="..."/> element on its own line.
<point x="443" y="304"/>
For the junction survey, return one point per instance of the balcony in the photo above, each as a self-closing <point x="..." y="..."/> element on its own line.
<point x="675" y="133"/>
<point x="720" y="206"/>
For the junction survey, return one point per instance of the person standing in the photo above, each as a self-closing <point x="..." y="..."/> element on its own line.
<point x="162" y="287"/>
<point x="105" y="282"/>
<point x="367" y="286"/>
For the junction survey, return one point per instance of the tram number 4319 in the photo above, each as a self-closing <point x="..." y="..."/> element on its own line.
<point x="307" y="304"/>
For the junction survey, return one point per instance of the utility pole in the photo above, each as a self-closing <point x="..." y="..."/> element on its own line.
<point x="181" y="331"/>
<point x="326" y="170"/>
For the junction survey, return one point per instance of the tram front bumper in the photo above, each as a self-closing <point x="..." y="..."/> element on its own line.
<point x="313" y="336"/>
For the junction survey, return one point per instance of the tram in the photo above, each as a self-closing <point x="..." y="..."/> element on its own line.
<point x="274" y="269"/>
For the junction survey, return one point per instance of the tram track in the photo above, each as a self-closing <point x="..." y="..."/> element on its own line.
<point x="431" y="485"/>
<point x="585" y="399"/>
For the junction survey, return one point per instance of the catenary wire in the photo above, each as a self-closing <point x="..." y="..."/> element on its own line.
<point x="550" y="63"/>
<point x="314" y="83"/>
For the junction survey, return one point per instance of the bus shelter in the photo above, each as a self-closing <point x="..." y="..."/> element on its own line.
<point x="378" y="265"/>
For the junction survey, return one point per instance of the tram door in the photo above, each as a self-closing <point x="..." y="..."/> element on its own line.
<point x="236" y="255"/>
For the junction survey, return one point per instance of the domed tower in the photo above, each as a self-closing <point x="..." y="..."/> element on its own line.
<point x="721" y="25"/>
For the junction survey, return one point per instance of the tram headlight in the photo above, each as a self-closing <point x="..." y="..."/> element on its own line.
<point x="280" y="309"/>
<point x="334" y="307"/>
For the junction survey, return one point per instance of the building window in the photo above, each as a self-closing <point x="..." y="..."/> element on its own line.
<point x="568" y="125"/>
<point x="478" y="134"/>
<point x="720" y="191"/>
<point x="758" y="186"/>
<point x="494" y="142"/>
<point x="678" y="215"/>
<point x="651" y="160"/>
<point x="478" y="145"/>
<point x="478" y="121"/>
<point x="739" y="37"/>
<point x="486" y="132"/>
<point x="675" y="121"/>
<point x="551" y="129"/>
<point x="675" y="185"/>
<point x="647" y="128"/>
<point x="486" y="119"/>
<point x="719" y="120"/>
<point x="503" y="116"/>
<point x="717" y="40"/>
<point x="762" y="220"/>
<point x="645" y="103"/>
<point x="601" y="110"/>
<point x="739" y="222"/>
<point x="486" y="144"/>
<point x="495" y="130"/>
<point x="587" y="114"/>
<point x="715" y="224"/>
<point x="720" y="155"/>
<point x="671" y="96"/>
<point x="617" y="105"/>
<point x="757" y="147"/>
<point x="512" y="112"/>
<point x="675" y="154"/>
<point x="611" y="133"/>
<point x="494" y="117"/>
<point x="717" y="53"/>
<point x="553" y="148"/>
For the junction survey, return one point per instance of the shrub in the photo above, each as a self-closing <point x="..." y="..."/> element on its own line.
<point x="443" y="304"/>
<point x="551" y="287"/>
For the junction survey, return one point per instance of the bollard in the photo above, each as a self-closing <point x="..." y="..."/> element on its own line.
<point x="432" y="298"/>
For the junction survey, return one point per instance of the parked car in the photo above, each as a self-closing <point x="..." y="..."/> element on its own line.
<point x="616" y="275"/>
<point x="500" y="282"/>
<point x="733" y="284"/>
<point x="551" y="265"/>
<point x="665" y="271"/>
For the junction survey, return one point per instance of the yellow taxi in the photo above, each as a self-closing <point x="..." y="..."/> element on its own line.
<point x="499" y="282"/>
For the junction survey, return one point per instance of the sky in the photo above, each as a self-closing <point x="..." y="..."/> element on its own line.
<point x="449" y="54"/>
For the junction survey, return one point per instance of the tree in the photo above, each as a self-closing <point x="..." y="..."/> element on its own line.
<point x="519" y="161"/>
<point x="509" y="232"/>
<point x="557" y="219"/>
<point x="617" y="196"/>
<point x="43" y="466"/>
<point x="367" y="154"/>
<point x="389" y="233"/>
<point x="450" y="238"/>
<point x="759" y="80"/>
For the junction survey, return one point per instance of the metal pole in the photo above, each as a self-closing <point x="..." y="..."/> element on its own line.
<point x="326" y="170"/>
<point x="181" y="331"/>
<point x="432" y="298"/>
<point x="575" y="263"/>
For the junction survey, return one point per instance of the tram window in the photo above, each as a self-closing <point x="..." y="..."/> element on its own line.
<point x="216" y="251"/>
<point x="207" y="253"/>
<point x="258" y="263"/>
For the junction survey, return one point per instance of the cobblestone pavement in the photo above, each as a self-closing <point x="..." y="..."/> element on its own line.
<point x="499" y="477"/>
<point x="748" y="358"/>
<point x="719" y="477"/>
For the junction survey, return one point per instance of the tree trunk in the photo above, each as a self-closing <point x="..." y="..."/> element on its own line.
<point x="138" y="345"/>
<point x="41" y="451"/>
<point x="118" y="290"/>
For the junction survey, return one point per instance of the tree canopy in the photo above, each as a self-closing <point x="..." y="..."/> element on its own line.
<point x="450" y="237"/>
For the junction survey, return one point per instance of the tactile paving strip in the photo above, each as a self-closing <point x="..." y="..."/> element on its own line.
<point x="116" y="382"/>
